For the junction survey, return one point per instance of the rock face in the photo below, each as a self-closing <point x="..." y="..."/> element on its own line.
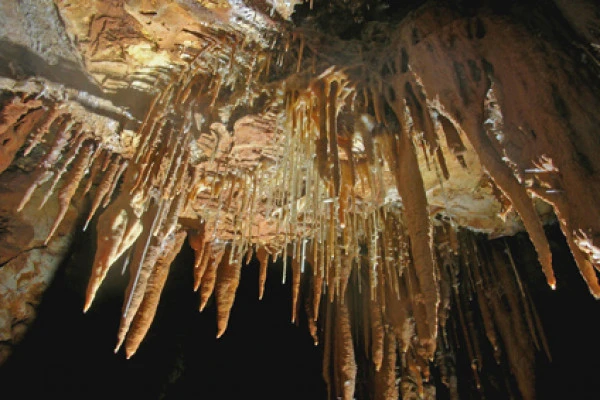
<point x="369" y="150"/>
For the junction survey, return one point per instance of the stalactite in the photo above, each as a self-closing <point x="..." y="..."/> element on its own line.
<point x="455" y="143"/>
<point x="410" y="186"/>
<point x="68" y="158"/>
<point x="104" y="188"/>
<point x="421" y="117"/>
<point x="519" y="198"/>
<point x="61" y="139"/>
<point x="210" y="275"/>
<point x="377" y="334"/>
<point x="117" y="230"/>
<point x="385" y="379"/>
<point x="514" y="334"/>
<point x="311" y="320"/>
<point x="196" y="240"/>
<point x="52" y="116"/>
<point x="346" y="363"/>
<point x="115" y="180"/>
<point x="142" y="265"/>
<point x="156" y="282"/>
<point x="482" y="300"/>
<point x="585" y="266"/>
<point x="72" y="182"/>
<point x="317" y="280"/>
<point x="95" y="168"/>
<point x="202" y="264"/>
<point x="228" y="279"/>
<point x="295" y="287"/>
<point x="263" y="258"/>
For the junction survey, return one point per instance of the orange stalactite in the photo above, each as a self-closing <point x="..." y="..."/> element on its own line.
<point x="410" y="186"/>
<point x="296" y="276"/>
<point x="385" y="378"/>
<point x="152" y="292"/>
<point x="94" y="169"/>
<point x="51" y="117"/>
<point x="103" y="188"/>
<point x="228" y="279"/>
<point x="317" y="290"/>
<point x="263" y="258"/>
<point x="346" y="368"/>
<point x="71" y="183"/>
<point x="209" y="278"/>
<point x="201" y="264"/>
<point x="47" y="164"/>
<point x="377" y="334"/>
<point x="80" y="137"/>
<point x="138" y="279"/>
<point x="518" y="196"/>
<point x="118" y="228"/>
<point x="115" y="181"/>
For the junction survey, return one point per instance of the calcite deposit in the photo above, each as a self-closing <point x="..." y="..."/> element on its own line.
<point x="367" y="145"/>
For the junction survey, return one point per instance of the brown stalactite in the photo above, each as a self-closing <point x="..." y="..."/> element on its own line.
<point x="201" y="265"/>
<point x="196" y="240"/>
<point x="94" y="169"/>
<point x="377" y="335"/>
<point x="401" y="156"/>
<point x="263" y="258"/>
<point x="346" y="364"/>
<point x="43" y="128"/>
<point x="385" y="378"/>
<point x="72" y="182"/>
<point x="103" y="188"/>
<point x="514" y="334"/>
<point x="117" y="229"/>
<point x="228" y="279"/>
<point x="45" y="172"/>
<point x="296" y="276"/>
<point x="210" y="275"/>
<point x="455" y="94"/>
<point x="483" y="301"/>
<point x="156" y="282"/>
<point x="145" y="256"/>
<point x="16" y="121"/>
<point x="455" y="143"/>
<point x="113" y="185"/>
<point x="68" y="158"/>
<point x="318" y="291"/>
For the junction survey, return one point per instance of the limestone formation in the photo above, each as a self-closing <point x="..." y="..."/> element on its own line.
<point x="368" y="145"/>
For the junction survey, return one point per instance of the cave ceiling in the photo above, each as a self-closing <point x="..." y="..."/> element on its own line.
<point x="369" y="145"/>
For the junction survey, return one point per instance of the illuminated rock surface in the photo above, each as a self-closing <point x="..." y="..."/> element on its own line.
<point x="374" y="150"/>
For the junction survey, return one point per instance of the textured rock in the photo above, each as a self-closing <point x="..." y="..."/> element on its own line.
<point x="27" y="266"/>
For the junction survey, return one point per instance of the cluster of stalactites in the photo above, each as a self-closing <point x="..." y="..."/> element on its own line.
<point x="352" y="152"/>
<point x="344" y="144"/>
<point x="139" y="225"/>
<point x="71" y="154"/>
<point x="335" y="218"/>
<point x="481" y="287"/>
